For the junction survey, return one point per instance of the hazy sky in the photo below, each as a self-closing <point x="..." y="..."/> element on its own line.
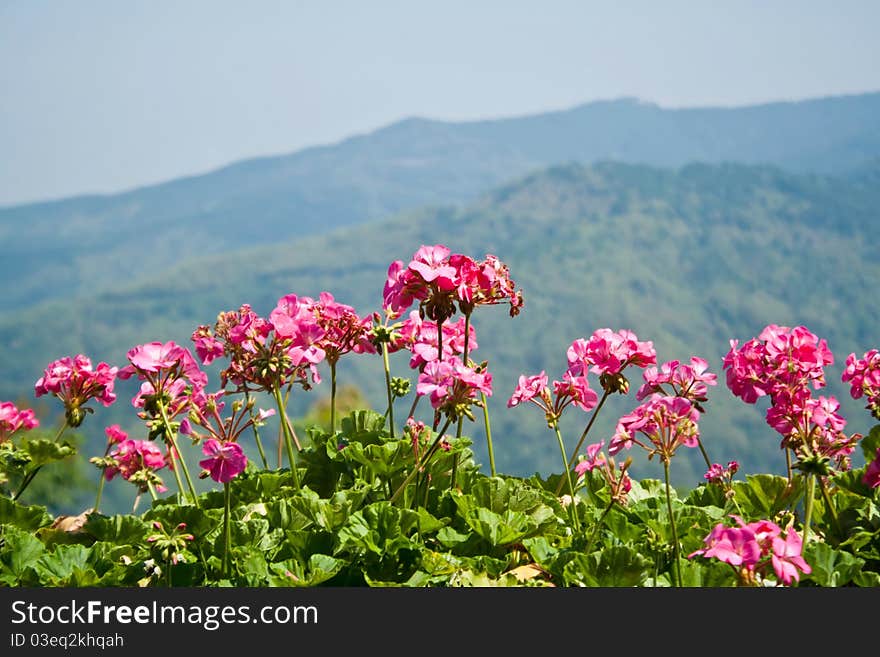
<point x="104" y="96"/>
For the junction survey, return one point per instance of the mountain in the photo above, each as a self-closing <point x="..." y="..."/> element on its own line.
<point x="82" y="245"/>
<point x="689" y="258"/>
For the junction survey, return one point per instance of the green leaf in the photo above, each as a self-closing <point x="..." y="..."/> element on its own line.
<point x="19" y="551"/>
<point x="28" y="518"/>
<point x="380" y="529"/>
<point x="765" y="495"/>
<point x="43" y="451"/>
<point x="332" y="513"/>
<point x="871" y="443"/>
<point x="118" y="529"/>
<point x="383" y="459"/>
<point x="619" y="566"/>
<point x="319" y="568"/>
<point x="57" y="567"/>
<point x="831" y="567"/>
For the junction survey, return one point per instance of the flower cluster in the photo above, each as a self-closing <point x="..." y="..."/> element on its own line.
<point x="682" y="380"/>
<point x="616" y="477"/>
<point x="452" y="386"/>
<point x="12" y="419"/>
<point x="440" y="280"/>
<point x="74" y="381"/>
<point x="608" y="353"/>
<point x="752" y="548"/>
<point x="871" y="478"/>
<point x="667" y="422"/>
<point x="136" y="461"/>
<point x="786" y="365"/>
<point x="721" y="475"/>
<point x="863" y="375"/>
<point x="572" y="389"/>
<point x="420" y="336"/>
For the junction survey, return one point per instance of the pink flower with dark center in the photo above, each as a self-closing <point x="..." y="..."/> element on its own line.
<point x="225" y="460"/>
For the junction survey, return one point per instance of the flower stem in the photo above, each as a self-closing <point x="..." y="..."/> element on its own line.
<point x="572" y="509"/>
<point x="810" y="492"/>
<point x="388" y="389"/>
<point x="152" y="491"/>
<point x="175" y="452"/>
<point x="100" y="490"/>
<point x="247" y="398"/>
<point x="597" y="528"/>
<point x="488" y="433"/>
<point x="829" y="503"/>
<point x="703" y="452"/>
<point x="227" y="532"/>
<point x="465" y="356"/>
<point x="586" y="431"/>
<point x="333" y="397"/>
<point x="675" y="560"/>
<point x="288" y="442"/>
<point x="422" y="461"/>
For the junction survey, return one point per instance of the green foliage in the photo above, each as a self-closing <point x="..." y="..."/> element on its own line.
<point x="487" y="531"/>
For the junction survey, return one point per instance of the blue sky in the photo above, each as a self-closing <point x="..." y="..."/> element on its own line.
<point x="99" y="96"/>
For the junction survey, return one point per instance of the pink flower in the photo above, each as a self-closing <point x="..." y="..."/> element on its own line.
<point x="527" y="388"/>
<point x="74" y="382"/>
<point x="115" y="434"/>
<point x="871" y="478"/>
<point x="689" y="381"/>
<point x="787" y="559"/>
<point x="133" y="456"/>
<point x="396" y="296"/>
<point x="12" y="419"/>
<point x="736" y="546"/>
<point x="225" y="460"/>
<point x="609" y="352"/>
<point x="716" y="474"/>
<point x="431" y="263"/>
<point x="594" y="458"/>
<point x="667" y="422"/>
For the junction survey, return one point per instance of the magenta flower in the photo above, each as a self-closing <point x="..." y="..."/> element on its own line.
<point x="688" y="381"/>
<point x="431" y="263"/>
<point x="786" y="558"/>
<point x="225" y="460"/>
<point x="74" y="382"/>
<point x="528" y="388"/>
<point x="115" y="434"/>
<point x="717" y="474"/>
<point x="754" y="548"/>
<point x="452" y="386"/>
<point x="571" y="389"/>
<point x="871" y="478"/>
<point x="12" y="420"/>
<point x="136" y="460"/>
<point x="863" y="375"/>
<point x="667" y="422"/>
<point x="610" y="352"/>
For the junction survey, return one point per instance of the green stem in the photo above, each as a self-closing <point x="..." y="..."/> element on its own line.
<point x="152" y="491"/>
<point x="247" y="398"/>
<point x="422" y="461"/>
<point x="227" y="531"/>
<point x="829" y="504"/>
<point x="597" y="528"/>
<point x="703" y="452"/>
<point x="332" y="397"/>
<point x="465" y="357"/>
<point x="788" y="464"/>
<point x="573" y="510"/>
<point x="388" y="389"/>
<point x="676" y="565"/>
<point x="488" y="433"/>
<point x="288" y="441"/>
<point x="810" y="485"/>
<point x="29" y="477"/>
<point x="100" y="490"/>
<point x="172" y="438"/>
<point x="586" y="431"/>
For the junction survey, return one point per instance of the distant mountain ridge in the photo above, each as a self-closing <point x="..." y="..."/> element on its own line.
<point x="74" y="246"/>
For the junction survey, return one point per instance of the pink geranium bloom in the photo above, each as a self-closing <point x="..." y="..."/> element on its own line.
<point x="593" y="459"/>
<point x="225" y="460"/>
<point x="154" y="356"/>
<point x="871" y="478"/>
<point x="115" y="434"/>
<point x="12" y="419"/>
<point x="787" y="560"/>
<point x="431" y="263"/>
<point x="527" y="388"/>
<point x="736" y="546"/>
<point x="396" y="297"/>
